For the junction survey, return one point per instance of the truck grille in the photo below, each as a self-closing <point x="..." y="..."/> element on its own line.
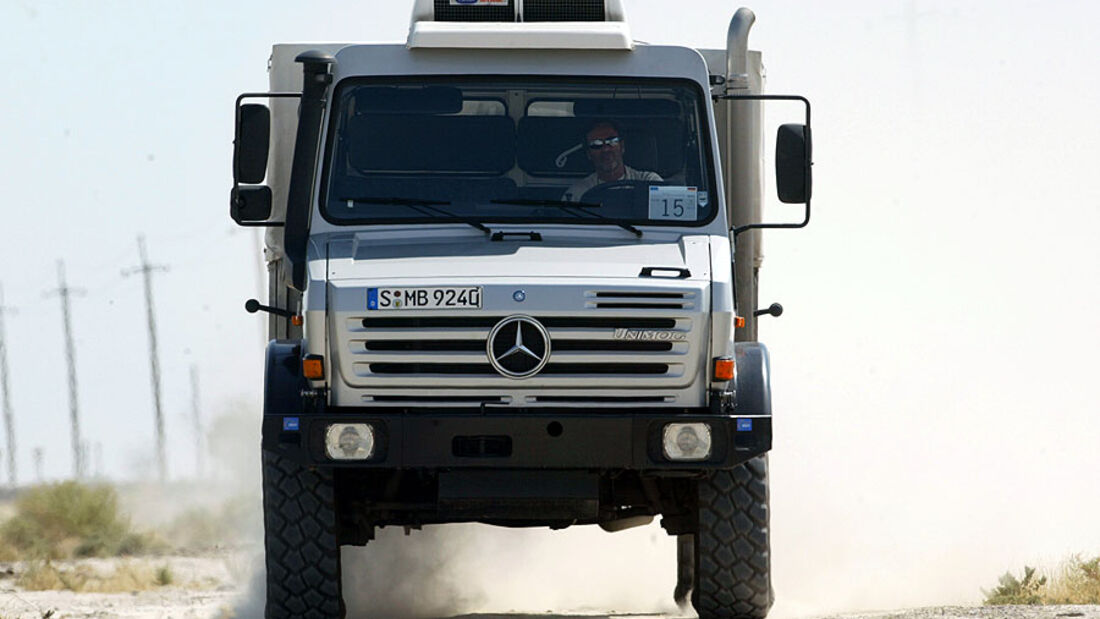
<point x="450" y="351"/>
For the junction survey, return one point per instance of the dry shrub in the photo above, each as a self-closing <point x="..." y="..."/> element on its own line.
<point x="7" y="552"/>
<point x="69" y="519"/>
<point x="1076" y="582"/>
<point x="125" y="577"/>
<point x="40" y="576"/>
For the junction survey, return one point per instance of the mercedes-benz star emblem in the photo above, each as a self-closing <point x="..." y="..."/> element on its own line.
<point x="518" y="347"/>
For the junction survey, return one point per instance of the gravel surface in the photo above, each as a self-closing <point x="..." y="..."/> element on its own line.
<point x="212" y="587"/>
<point x="981" y="612"/>
<point x="203" y="587"/>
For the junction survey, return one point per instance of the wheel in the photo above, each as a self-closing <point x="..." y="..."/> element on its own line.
<point x="302" y="553"/>
<point x="732" y="553"/>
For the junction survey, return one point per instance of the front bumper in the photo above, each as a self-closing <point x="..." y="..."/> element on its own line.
<point x="542" y="439"/>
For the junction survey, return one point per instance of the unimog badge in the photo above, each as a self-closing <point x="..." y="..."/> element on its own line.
<point x="651" y="335"/>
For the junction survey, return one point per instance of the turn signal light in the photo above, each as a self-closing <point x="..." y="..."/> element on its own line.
<point x="313" y="367"/>
<point x="296" y="320"/>
<point x="739" y="322"/>
<point x="723" y="368"/>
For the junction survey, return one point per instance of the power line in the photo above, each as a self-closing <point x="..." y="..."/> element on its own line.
<point x="9" y="421"/>
<point x="65" y="293"/>
<point x="147" y="270"/>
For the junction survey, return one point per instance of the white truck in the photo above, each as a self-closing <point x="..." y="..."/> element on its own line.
<point x="513" y="280"/>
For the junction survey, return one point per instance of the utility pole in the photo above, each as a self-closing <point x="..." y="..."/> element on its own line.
<point x="9" y="421"/>
<point x="65" y="292"/>
<point x="147" y="270"/>
<point x="98" y="460"/>
<point x="197" y="419"/>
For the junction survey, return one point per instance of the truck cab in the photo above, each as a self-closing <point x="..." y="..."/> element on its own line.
<point x="509" y="285"/>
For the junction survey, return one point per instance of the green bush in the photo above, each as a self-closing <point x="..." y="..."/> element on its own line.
<point x="164" y="576"/>
<point x="1012" y="590"/>
<point x="66" y="519"/>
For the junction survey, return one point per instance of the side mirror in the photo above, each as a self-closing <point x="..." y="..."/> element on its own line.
<point x="793" y="156"/>
<point x="250" y="206"/>
<point x="251" y="143"/>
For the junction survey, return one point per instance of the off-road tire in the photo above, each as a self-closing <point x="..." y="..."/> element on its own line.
<point x="732" y="554"/>
<point x="302" y="553"/>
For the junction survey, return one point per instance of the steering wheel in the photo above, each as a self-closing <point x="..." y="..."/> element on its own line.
<point x="622" y="189"/>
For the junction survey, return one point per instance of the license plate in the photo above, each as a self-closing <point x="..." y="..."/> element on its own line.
<point x="446" y="297"/>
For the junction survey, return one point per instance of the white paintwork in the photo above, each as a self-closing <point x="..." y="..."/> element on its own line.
<point x="560" y="275"/>
<point x="542" y="35"/>
<point x="556" y="256"/>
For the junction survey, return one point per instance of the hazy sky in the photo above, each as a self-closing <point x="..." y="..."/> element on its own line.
<point x="934" y="376"/>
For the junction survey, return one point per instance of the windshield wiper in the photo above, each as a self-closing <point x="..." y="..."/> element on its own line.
<point x="567" y="206"/>
<point x="425" y="207"/>
<point x="530" y="202"/>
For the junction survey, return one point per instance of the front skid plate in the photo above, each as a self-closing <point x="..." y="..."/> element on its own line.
<point x="546" y="440"/>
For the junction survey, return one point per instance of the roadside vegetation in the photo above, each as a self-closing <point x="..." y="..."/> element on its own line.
<point x="74" y="536"/>
<point x="126" y="577"/>
<point x="70" y="520"/>
<point x="1076" y="581"/>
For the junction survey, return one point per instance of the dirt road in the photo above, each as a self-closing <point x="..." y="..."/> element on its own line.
<point x="219" y="587"/>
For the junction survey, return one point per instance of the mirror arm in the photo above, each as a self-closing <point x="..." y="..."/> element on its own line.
<point x="806" y="102"/>
<point x="803" y="224"/>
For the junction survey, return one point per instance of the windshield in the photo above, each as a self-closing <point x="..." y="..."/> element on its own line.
<point x="567" y="150"/>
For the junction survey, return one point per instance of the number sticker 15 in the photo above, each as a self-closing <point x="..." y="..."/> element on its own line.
<point x="678" y="203"/>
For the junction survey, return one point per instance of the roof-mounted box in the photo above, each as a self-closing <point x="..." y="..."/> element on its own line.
<point x="520" y="24"/>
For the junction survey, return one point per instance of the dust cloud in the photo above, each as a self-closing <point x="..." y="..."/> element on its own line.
<point x="450" y="570"/>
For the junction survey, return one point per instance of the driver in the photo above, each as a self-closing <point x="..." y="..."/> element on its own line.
<point x="605" y="148"/>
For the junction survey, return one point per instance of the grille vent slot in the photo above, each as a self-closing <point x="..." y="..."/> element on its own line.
<point x="488" y="322"/>
<point x="606" y="299"/>
<point x="602" y="399"/>
<point x="479" y="346"/>
<point x="484" y="369"/>
<point x="442" y="399"/>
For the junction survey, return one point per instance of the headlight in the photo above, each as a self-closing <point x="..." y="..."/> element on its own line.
<point x="687" y="442"/>
<point x="349" y="441"/>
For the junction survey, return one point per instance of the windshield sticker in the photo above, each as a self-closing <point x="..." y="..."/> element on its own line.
<point x="479" y="2"/>
<point x="677" y="203"/>
<point x="704" y="199"/>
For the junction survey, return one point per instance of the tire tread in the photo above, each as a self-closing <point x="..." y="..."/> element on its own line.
<point x="733" y="558"/>
<point x="302" y="552"/>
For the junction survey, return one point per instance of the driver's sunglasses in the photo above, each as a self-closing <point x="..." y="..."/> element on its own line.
<point x="598" y="144"/>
